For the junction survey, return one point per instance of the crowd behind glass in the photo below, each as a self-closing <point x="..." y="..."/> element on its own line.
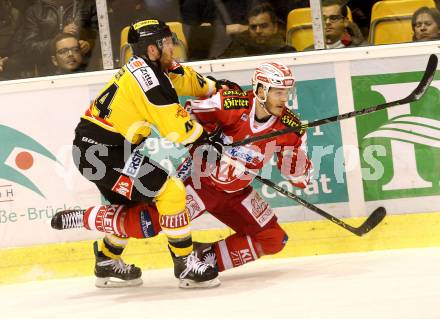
<point x="48" y="37"/>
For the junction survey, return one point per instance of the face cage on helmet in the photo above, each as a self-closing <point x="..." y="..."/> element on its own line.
<point x="140" y="47"/>
<point x="174" y="38"/>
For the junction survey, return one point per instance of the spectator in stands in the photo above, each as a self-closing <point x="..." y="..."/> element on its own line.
<point x="340" y="32"/>
<point x="66" y="54"/>
<point x="46" y="18"/>
<point x="426" y="24"/>
<point x="263" y="37"/>
<point x="9" y="40"/>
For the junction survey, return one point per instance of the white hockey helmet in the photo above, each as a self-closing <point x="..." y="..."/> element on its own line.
<point x="272" y="74"/>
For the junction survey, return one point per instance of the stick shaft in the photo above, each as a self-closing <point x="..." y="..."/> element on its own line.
<point x="413" y="96"/>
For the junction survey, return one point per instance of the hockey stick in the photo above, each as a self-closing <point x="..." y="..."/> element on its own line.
<point x="372" y="221"/>
<point x="415" y="95"/>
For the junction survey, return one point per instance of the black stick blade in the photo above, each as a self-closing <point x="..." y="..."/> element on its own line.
<point x="372" y="221"/>
<point x="426" y="80"/>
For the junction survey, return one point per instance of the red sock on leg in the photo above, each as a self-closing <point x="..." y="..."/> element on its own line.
<point x="139" y="221"/>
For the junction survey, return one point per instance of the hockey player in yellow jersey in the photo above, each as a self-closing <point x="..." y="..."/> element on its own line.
<point x="107" y="150"/>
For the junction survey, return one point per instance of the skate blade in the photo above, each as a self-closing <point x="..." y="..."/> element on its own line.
<point x="110" y="282"/>
<point x="191" y="284"/>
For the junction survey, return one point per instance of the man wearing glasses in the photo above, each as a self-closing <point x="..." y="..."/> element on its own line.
<point x="340" y="32"/>
<point x="66" y="54"/>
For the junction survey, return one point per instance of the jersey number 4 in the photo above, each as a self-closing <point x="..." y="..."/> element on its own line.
<point x="103" y="102"/>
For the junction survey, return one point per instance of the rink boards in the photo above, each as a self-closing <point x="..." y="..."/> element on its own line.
<point x="388" y="159"/>
<point x="74" y="259"/>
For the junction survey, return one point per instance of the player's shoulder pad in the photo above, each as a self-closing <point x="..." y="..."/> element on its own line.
<point x="143" y="73"/>
<point x="234" y="99"/>
<point x="290" y="119"/>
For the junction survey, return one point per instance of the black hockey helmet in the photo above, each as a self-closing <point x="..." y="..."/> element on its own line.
<point x="145" y="32"/>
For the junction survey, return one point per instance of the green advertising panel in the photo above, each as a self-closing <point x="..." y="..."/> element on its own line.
<point x="399" y="146"/>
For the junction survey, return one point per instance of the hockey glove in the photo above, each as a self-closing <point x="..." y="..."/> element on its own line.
<point x="212" y="140"/>
<point x="225" y="84"/>
<point x="295" y="167"/>
<point x="215" y="140"/>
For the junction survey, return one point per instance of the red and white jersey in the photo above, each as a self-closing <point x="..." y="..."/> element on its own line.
<point x="234" y="112"/>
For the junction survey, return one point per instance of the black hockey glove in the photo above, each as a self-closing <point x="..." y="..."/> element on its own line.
<point x="213" y="140"/>
<point x="225" y="84"/>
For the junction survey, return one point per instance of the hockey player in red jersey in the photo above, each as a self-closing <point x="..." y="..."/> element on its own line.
<point x="223" y="189"/>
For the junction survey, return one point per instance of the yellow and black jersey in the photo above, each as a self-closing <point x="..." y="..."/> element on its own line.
<point x="138" y="97"/>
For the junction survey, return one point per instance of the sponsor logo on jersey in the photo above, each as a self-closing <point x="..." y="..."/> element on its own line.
<point x="233" y="93"/>
<point x="143" y="74"/>
<point x="181" y="112"/>
<point x="259" y="209"/>
<point x="235" y="103"/>
<point x="147" y="224"/>
<point x="104" y="218"/>
<point x="241" y="257"/>
<point x="174" y="221"/>
<point x="291" y="120"/>
<point x="184" y="170"/>
<point x="123" y="186"/>
<point x="246" y="154"/>
<point x="135" y="63"/>
<point x="194" y="204"/>
<point x="120" y="73"/>
<point x="133" y="164"/>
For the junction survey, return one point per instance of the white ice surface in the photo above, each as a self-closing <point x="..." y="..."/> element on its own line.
<point x="400" y="284"/>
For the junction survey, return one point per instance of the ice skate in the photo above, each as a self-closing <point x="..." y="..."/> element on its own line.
<point x="68" y="219"/>
<point x="192" y="273"/>
<point x="114" y="273"/>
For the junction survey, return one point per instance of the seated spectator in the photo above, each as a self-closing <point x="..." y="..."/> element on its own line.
<point x="66" y="54"/>
<point x="426" y="24"/>
<point x="46" y="18"/>
<point x="339" y="31"/>
<point x="263" y="37"/>
<point x="9" y="40"/>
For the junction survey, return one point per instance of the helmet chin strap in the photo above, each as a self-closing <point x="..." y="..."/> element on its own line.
<point x="263" y="102"/>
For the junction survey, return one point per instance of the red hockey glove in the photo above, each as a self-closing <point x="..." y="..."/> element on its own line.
<point x="295" y="167"/>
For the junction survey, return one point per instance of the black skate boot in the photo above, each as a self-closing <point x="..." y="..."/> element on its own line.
<point x="206" y="253"/>
<point x="68" y="219"/>
<point x="114" y="273"/>
<point x="192" y="273"/>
